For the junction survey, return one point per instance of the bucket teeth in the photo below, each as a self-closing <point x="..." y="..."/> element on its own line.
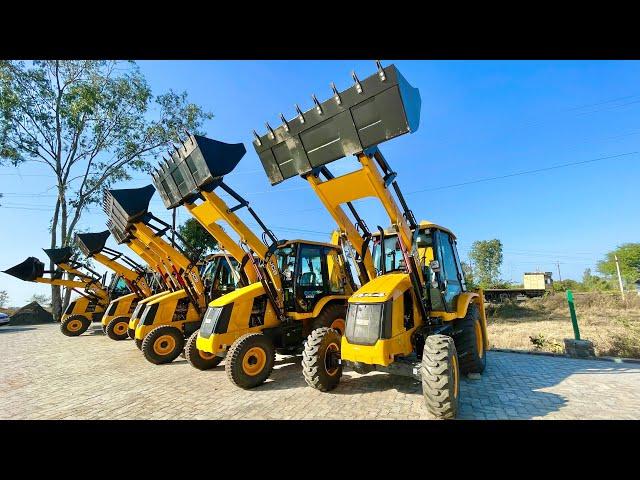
<point x="300" y="114"/>
<point x="285" y="124"/>
<point x="128" y="205"/>
<point x="373" y="110"/>
<point x="199" y="167"/>
<point x="357" y="82"/>
<point x="336" y="95"/>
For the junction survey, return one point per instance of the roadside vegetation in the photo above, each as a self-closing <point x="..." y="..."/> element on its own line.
<point x="542" y="324"/>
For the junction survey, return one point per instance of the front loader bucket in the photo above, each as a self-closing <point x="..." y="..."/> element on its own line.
<point x="198" y="165"/>
<point x="127" y="205"/>
<point x="59" y="255"/>
<point x="28" y="270"/>
<point x="92" y="243"/>
<point x="374" y="110"/>
<point x="120" y="235"/>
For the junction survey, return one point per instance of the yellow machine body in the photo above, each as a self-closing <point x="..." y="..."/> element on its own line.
<point x="389" y="292"/>
<point x="246" y="310"/>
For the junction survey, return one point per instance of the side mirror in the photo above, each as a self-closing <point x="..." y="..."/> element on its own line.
<point x="434" y="265"/>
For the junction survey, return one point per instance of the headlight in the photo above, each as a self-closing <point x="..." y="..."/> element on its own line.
<point x="149" y="314"/>
<point x="368" y="322"/>
<point x="70" y="308"/>
<point x="112" y="308"/>
<point x="216" y="320"/>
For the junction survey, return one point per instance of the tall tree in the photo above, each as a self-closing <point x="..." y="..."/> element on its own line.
<point x="629" y="259"/>
<point x="91" y="123"/>
<point x="196" y="237"/>
<point x="486" y="256"/>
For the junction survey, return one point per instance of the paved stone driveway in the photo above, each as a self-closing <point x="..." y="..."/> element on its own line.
<point x="45" y="375"/>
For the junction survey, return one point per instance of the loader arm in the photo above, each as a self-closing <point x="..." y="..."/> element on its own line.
<point x="154" y="260"/>
<point x="93" y="245"/>
<point x="190" y="177"/>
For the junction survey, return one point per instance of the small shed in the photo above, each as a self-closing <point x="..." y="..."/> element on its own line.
<point x="538" y="281"/>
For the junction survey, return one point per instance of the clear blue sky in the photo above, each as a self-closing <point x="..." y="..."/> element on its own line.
<point x="480" y="119"/>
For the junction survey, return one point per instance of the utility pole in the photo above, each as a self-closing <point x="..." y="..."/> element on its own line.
<point x="559" y="276"/>
<point x="619" y="276"/>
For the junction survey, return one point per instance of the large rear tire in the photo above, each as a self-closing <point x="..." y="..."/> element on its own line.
<point x="250" y="360"/>
<point x="74" y="325"/>
<point x="440" y="376"/>
<point x="470" y="342"/>
<point x="319" y="359"/>
<point x="117" y="328"/>
<point x="163" y="344"/>
<point x="197" y="358"/>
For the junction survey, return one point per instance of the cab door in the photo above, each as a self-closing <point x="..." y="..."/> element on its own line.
<point x="450" y="273"/>
<point x="311" y="272"/>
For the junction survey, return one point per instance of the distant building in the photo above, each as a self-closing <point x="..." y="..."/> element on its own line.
<point x="538" y="281"/>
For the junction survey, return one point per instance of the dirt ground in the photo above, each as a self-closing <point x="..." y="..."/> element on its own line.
<point x="543" y="323"/>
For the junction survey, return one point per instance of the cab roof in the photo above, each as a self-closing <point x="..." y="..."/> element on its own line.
<point x="422" y="224"/>
<point x="311" y="242"/>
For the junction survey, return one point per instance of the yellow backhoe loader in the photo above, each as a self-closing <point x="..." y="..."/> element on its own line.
<point x="161" y="322"/>
<point x="115" y="320"/>
<point x="94" y="296"/>
<point x="416" y="316"/>
<point x="301" y="284"/>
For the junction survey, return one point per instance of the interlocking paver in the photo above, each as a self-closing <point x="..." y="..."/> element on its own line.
<point x="48" y="376"/>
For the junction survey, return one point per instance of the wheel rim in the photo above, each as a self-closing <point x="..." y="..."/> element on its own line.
<point x="205" y="355"/>
<point x="254" y="361"/>
<point x="120" y="328"/>
<point x="331" y="348"/>
<point x="74" y="325"/>
<point x="338" y="324"/>
<point x="479" y="339"/>
<point x="164" y="345"/>
<point x="454" y="366"/>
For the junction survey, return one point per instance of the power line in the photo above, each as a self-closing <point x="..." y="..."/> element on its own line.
<point x="526" y="172"/>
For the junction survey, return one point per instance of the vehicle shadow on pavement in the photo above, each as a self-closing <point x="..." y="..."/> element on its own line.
<point x="16" y="329"/>
<point x="512" y="386"/>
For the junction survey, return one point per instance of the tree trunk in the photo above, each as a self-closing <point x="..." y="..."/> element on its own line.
<point x="56" y="300"/>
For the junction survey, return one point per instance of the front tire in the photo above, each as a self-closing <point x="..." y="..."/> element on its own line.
<point x="117" y="328"/>
<point x="319" y="359"/>
<point x="74" y="325"/>
<point x="163" y="344"/>
<point x="197" y="358"/>
<point x="440" y="376"/>
<point x="250" y="360"/>
<point x="470" y="342"/>
<point x="131" y="332"/>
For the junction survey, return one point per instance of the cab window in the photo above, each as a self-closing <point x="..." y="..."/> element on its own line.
<point x="310" y="266"/>
<point x="335" y="267"/>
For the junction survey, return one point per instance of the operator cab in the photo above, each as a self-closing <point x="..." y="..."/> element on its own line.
<point x="219" y="277"/>
<point x="118" y="287"/>
<point x="311" y="271"/>
<point x="438" y="254"/>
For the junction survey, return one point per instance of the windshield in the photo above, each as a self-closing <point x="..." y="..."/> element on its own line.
<point x="393" y="259"/>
